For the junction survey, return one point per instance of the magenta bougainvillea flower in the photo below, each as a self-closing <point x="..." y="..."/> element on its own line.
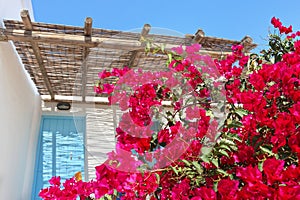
<point x="184" y="150"/>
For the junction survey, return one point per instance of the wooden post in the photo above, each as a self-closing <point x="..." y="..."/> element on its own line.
<point x="26" y="20"/>
<point x="199" y="36"/>
<point x="144" y="33"/>
<point x="88" y="27"/>
<point x="87" y="33"/>
<point x="246" y="42"/>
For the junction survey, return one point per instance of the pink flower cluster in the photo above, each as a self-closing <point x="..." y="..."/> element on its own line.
<point x="254" y="156"/>
<point x="278" y="24"/>
<point x="72" y="189"/>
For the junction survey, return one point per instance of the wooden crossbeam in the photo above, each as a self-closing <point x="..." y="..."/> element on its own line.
<point x="39" y="59"/>
<point x="36" y="50"/>
<point x="132" y="58"/>
<point x="67" y="39"/>
<point x="78" y="40"/>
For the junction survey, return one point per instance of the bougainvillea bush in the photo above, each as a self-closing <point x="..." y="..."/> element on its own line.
<point x="203" y="129"/>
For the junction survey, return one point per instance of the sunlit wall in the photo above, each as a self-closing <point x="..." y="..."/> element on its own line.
<point x="19" y="115"/>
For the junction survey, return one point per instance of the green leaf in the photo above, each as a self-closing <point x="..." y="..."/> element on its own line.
<point x="175" y="170"/>
<point x="186" y="162"/>
<point x="215" y="162"/>
<point x="158" y="178"/>
<point x="224" y="153"/>
<point x="260" y="166"/>
<point x="190" y="176"/>
<point x="234" y="137"/>
<point x="241" y="112"/>
<point x="222" y="172"/>
<point x="218" y="134"/>
<point x="148" y="46"/>
<point x="106" y="197"/>
<point x="205" y="158"/>
<point x="223" y="146"/>
<point x="198" y="182"/>
<point x="156" y="50"/>
<point x="227" y="142"/>
<point x="266" y="150"/>
<point x="206" y="150"/>
<point x="169" y="57"/>
<point x="162" y="47"/>
<point x="109" y="197"/>
<point x="234" y="124"/>
<point x="215" y="186"/>
<point x="234" y="148"/>
<point x="198" y="167"/>
<point x="209" y="113"/>
<point x="191" y="173"/>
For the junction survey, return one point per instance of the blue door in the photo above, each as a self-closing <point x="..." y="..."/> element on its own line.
<point x="60" y="150"/>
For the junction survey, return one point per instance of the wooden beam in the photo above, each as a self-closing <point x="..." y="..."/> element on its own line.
<point x="87" y="33"/>
<point x="247" y="39"/>
<point x="37" y="53"/>
<point x="248" y="44"/>
<point x="36" y="50"/>
<point x="84" y="72"/>
<point x="104" y="102"/>
<point x="145" y="31"/>
<point x="77" y="40"/>
<point x="88" y="27"/>
<point x="132" y="58"/>
<point x="189" y="36"/>
<point x="67" y="39"/>
<point x="26" y="20"/>
<point x="199" y="35"/>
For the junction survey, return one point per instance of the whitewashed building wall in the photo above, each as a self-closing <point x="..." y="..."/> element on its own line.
<point x="20" y="115"/>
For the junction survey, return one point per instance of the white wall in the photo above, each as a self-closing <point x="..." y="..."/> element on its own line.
<point x="19" y="115"/>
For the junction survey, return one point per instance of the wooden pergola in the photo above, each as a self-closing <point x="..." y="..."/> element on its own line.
<point x="64" y="61"/>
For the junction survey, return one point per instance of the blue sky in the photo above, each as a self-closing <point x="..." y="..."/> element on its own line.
<point x="231" y="19"/>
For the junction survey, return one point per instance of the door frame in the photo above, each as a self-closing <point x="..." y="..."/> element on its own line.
<point x="39" y="154"/>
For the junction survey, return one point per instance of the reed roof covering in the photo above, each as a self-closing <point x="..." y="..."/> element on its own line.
<point x="64" y="61"/>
